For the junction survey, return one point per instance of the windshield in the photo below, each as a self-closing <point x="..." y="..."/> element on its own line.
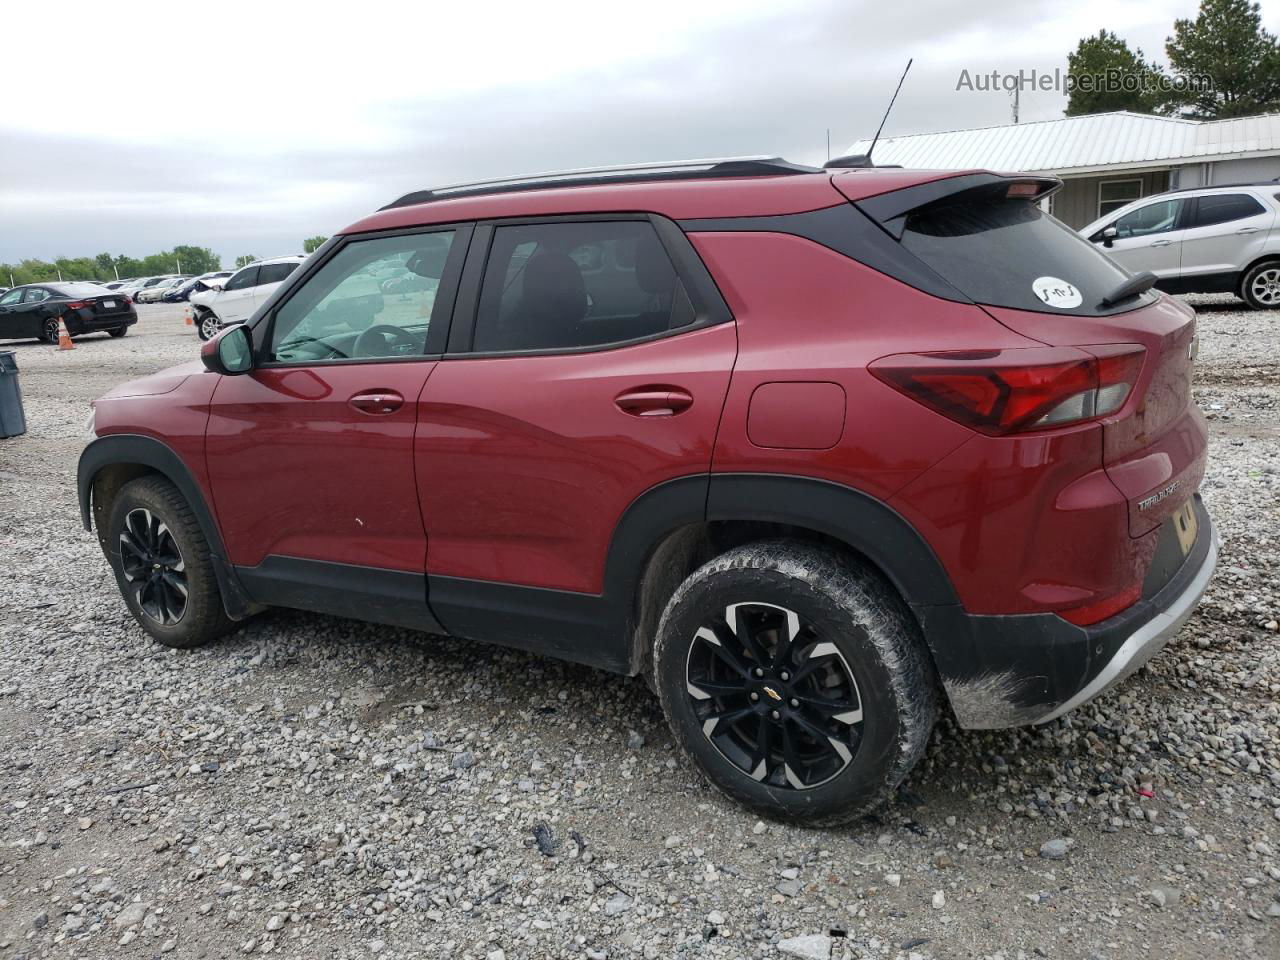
<point x="1010" y="253"/>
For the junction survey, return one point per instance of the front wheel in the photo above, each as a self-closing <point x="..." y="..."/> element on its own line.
<point x="797" y="680"/>
<point x="162" y="566"/>
<point x="1260" y="287"/>
<point x="207" y="325"/>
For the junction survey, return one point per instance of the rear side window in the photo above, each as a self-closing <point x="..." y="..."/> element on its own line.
<point x="248" y="277"/>
<point x="275" y="272"/>
<point x="1010" y="253"/>
<point x="562" y="286"/>
<point x="1223" y="208"/>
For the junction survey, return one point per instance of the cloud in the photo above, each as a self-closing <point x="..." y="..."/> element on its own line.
<point x="306" y="122"/>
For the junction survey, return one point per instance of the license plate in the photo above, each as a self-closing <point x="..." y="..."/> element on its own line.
<point x="1185" y="522"/>
<point x="109" y="304"/>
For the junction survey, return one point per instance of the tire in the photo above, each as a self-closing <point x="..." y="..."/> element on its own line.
<point x="207" y="325"/>
<point x="150" y="523"/>
<point x="49" y="330"/>
<point x="858" y="670"/>
<point x="1260" y="287"/>
<point x="118" y="332"/>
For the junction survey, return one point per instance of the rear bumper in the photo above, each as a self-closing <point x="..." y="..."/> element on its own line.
<point x="1009" y="671"/>
<point x="78" y="323"/>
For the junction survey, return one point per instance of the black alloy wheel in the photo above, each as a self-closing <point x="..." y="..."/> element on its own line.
<point x="775" y="700"/>
<point x="152" y="565"/>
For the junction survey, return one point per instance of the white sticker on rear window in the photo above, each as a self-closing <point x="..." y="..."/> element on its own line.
<point x="1056" y="293"/>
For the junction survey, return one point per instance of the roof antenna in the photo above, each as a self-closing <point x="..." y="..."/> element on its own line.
<point x="864" y="159"/>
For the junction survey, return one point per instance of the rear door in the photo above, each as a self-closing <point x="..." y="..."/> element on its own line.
<point x="588" y="363"/>
<point x="237" y="301"/>
<point x="1148" y="238"/>
<point x="1225" y="232"/>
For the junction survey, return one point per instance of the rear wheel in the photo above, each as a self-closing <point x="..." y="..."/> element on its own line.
<point x="797" y="681"/>
<point x="49" y="334"/>
<point x="161" y="561"/>
<point x="118" y="331"/>
<point x="207" y="325"/>
<point x="1260" y="287"/>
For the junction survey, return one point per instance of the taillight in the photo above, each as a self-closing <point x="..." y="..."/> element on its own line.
<point x="77" y="304"/>
<point x="1011" y="391"/>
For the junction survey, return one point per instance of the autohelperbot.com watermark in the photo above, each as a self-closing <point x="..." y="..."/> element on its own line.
<point x="1113" y="80"/>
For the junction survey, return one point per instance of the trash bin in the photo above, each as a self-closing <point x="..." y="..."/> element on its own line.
<point x="12" y="420"/>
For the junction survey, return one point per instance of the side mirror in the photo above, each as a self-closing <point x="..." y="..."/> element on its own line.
<point x="1109" y="235"/>
<point x="229" y="353"/>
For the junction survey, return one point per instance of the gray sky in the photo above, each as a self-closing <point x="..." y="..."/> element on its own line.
<point x="252" y="127"/>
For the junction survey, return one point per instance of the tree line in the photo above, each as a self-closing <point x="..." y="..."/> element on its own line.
<point x="105" y="267"/>
<point x="1221" y="64"/>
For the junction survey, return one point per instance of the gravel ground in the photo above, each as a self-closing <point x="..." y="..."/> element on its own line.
<point x="314" y="787"/>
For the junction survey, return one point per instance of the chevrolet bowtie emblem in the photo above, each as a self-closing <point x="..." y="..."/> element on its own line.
<point x="773" y="693"/>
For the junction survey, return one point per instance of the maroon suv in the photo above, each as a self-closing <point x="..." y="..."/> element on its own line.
<point x="805" y="448"/>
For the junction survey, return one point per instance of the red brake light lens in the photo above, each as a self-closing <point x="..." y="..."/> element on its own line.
<point x="1009" y="391"/>
<point x="77" y="304"/>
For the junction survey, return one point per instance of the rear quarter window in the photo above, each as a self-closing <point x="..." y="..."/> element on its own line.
<point x="1000" y="252"/>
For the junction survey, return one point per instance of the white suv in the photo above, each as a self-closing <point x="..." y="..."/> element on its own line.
<point x="1201" y="240"/>
<point x="241" y="295"/>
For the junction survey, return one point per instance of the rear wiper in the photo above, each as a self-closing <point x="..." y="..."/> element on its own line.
<point x="1137" y="284"/>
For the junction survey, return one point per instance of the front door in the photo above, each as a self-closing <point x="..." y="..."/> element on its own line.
<point x="236" y="302"/>
<point x="1149" y="238"/>
<point x="310" y="455"/>
<point x="587" y="378"/>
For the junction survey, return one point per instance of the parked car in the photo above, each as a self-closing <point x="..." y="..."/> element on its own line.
<point x="135" y="289"/>
<point x="1203" y="240"/>
<point x="240" y="295"/>
<point x="794" y="444"/>
<point x="33" y="310"/>
<point x="153" y="293"/>
<point x="117" y="284"/>
<point x="206" y="281"/>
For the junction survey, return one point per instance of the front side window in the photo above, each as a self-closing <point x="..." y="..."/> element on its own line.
<point x="275" y="272"/>
<point x="563" y="286"/>
<point x="248" y="277"/>
<point x="1223" y="208"/>
<point x="1154" y="218"/>
<point x="13" y="296"/>
<point x="373" y="299"/>
<point x="1114" y="194"/>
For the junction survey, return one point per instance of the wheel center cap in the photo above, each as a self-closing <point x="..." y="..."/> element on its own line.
<point x="772" y="693"/>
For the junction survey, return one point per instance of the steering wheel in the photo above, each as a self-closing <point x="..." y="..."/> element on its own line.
<point x="381" y="340"/>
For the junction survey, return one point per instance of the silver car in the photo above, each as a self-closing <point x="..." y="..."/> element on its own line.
<point x="1201" y="240"/>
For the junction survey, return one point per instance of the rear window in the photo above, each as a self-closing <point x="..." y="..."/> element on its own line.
<point x="1010" y="253"/>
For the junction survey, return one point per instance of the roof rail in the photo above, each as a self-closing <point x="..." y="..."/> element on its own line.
<point x="1219" y="186"/>
<point x="594" y="176"/>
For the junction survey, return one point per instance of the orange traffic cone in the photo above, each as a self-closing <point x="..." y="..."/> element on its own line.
<point x="186" y="316"/>
<point x="64" y="338"/>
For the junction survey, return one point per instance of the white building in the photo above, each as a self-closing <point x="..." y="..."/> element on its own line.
<point x="1105" y="159"/>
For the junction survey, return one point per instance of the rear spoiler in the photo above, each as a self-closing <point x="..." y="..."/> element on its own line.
<point x="890" y="210"/>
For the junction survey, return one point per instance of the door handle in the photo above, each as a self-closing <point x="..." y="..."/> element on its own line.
<point x="1161" y="243"/>
<point x="657" y="400"/>
<point x="1248" y="230"/>
<point x="377" y="401"/>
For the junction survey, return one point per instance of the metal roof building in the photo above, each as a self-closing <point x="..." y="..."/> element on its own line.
<point x="1107" y="159"/>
